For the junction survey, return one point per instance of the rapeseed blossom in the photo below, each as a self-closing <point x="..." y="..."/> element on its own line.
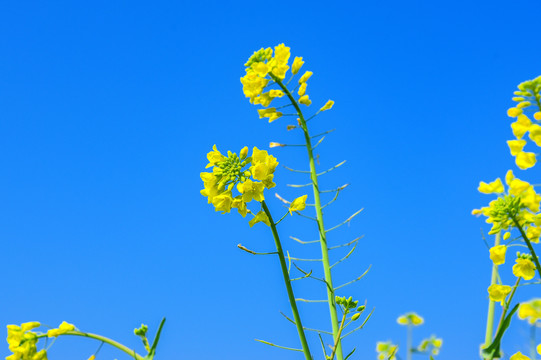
<point x="268" y="67"/>
<point x="519" y="203"/>
<point x="497" y="254"/>
<point x="498" y="292"/>
<point x="386" y="350"/>
<point x="530" y="311"/>
<point x="528" y="101"/>
<point x="249" y="175"/>
<point x="298" y="204"/>
<point x="432" y="345"/>
<point x="524" y="267"/>
<point x="410" y="318"/>
<point x="22" y="342"/>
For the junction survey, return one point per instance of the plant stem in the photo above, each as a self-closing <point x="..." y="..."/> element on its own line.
<point x="319" y="216"/>
<point x="507" y="303"/>
<point x="491" y="304"/>
<point x="533" y="352"/>
<point x="104" y="339"/>
<point x="410" y="342"/>
<point x="337" y="339"/>
<point x="287" y="281"/>
<point x="532" y="252"/>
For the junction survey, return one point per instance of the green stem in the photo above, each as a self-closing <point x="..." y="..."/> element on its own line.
<point x="506" y="308"/>
<point x="104" y="339"/>
<point x="533" y="352"/>
<point x="319" y="216"/>
<point x="287" y="281"/>
<point x="491" y="304"/>
<point x="410" y="342"/>
<point x="337" y="339"/>
<point x="532" y="251"/>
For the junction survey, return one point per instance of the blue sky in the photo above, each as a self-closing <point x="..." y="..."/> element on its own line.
<point x="107" y="110"/>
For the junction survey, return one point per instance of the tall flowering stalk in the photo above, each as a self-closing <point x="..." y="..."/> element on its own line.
<point x="515" y="214"/>
<point x="264" y="82"/>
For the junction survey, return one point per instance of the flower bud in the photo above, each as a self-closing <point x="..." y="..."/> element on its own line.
<point x="356" y="316"/>
<point x="244" y="152"/>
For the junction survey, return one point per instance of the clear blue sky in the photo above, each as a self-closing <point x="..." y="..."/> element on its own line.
<point x="107" y="110"/>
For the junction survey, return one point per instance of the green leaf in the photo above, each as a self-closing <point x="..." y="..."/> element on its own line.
<point x="493" y="350"/>
<point x="152" y="352"/>
<point x="351" y="353"/>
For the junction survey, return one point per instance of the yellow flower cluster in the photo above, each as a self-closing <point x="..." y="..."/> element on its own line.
<point x="263" y="70"/>
<point x="410" y="318"/>
<point x="250" y="175"/>
<point x="431" y="345"/>
<point x="22" y="342"/>
<point x="528" y="100"/>
<point x="530" y="311"/>
<point x="520" y="202"/>
<point x="62" y="329"/>
<point x="386" y="350"/>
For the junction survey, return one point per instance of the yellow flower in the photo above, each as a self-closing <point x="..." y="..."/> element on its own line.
<point x="539" y="349"/>
<point x="62" y="329"/>
<point x="240" y="206"/>
<point x="93" y="357"/>
<point x="276" y="93"/>
<point x="535" y="134"/>
<point x="523" y="104"/>
<point x="264" y="99"/>
<point x="30" y="325"/>
<point x="410" y="318"/>
<point x="498" y="292"/>
<point x="304" y="78"/>
<point x="214" y="156"/>
<point x="302" y="89"/>
<point x="40" y="355"/>
<point x="251" y="190"/>
<point x="525" y="160"/>
<point x="273" y="144"/>
<point x="297" y="64"/>
<point x="524" y="268"/>
<point x="519" y="356"/>
<point x="263" y="167"/>
<point x="252" y="84"/>
<point x="530" y="311"/>
<point x="260" y="217"/>
<point x="514" y="112"/>
<point x="386" y="350"/>
<point x="537" y="115"/>
<point x="533" y="234"/>
<point x="497" y="254"/>
<point x="328" y="105"/>
<point x="223" y="202"/>
<point x="281" y="54"/>
<point x="298" y="204"/>
<point x="494" y="187"/>
<point x="521" y="126"/>
<point x="304" y="100"/>
<point x="516" y="146"/>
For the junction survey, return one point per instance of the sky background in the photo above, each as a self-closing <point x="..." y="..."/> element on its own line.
<point x="107" y="111"/>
